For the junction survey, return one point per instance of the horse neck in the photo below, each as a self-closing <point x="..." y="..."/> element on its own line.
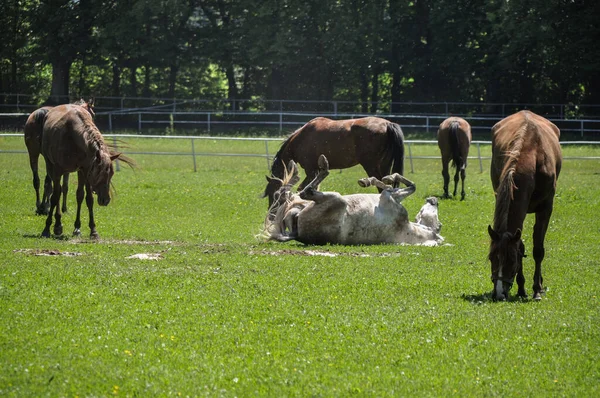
<point x="506" y="190"/>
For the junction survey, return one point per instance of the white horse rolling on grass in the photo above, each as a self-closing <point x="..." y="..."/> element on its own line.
<point x="314" y="217"/>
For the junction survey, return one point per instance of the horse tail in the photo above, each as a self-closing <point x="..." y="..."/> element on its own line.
<point x="457" y="160"/>
<point x="396" y="143"/>
<point x="39" y="119"/>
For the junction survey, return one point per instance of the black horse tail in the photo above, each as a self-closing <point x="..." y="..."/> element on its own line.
<point x="457" y="160"/>
<point x="396" y="142"/>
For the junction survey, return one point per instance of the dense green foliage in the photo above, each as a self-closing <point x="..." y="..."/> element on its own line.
<point x="223" y="314"/>
<point x="376" y="52"/>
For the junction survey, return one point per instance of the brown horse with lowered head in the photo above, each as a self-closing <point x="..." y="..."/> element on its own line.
<point x="33" y="140"/>
<point x="454" y="140"/>
<point x="526" y="162"/>
<point x="374" y="143"/>
<point x="72" y="142"/>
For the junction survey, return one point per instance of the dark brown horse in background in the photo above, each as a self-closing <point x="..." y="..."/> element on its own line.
<point x="454" y="140"/>
<point x="72" y="142"/>
<point x="526" y="162"/>
<point x="33" y="141"/>
<point x="374" y="143"/>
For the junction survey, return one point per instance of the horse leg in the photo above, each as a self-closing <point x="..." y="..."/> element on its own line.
<point x="542" y="219"/>
<point x="45" y="205"/>
<point x="446" y="176"/>
<point x="54" y="200"/>
<point x="456" y="178"/>
<point x="33" y="163"/>
<point x="310" y="191"/>
<point x="462" y="178"/>
<point x="79" y="196"/>
<point x="65" y="190"/>
<point x="367" y="182"/>
<point x="89" y="201"/>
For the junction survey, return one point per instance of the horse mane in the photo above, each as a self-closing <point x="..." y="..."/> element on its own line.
<point x="505" y="191"/>
<point x="278" y="160"/>
<point x="94" y="140"/>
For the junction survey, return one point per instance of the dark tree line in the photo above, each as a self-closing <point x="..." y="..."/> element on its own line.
<point x="520" y="51"/>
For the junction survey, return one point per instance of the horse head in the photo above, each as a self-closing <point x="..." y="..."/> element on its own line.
<point x="281" y="176"/>
<point x="506" y="256"/>
<point x="100" y="175"/>
<point x="87" y="105"/>
<point x="283" y="193"/>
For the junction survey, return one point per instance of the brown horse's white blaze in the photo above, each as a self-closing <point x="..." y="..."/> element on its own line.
<point x="71" y="142"/>
<point x="314" y="217"/>
<point x="526" y="162"/>
<point x="454" y="140"/>
<point x="374" y="143"/>
<point x="33" y="140"/>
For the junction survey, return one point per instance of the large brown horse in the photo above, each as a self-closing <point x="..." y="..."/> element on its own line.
<point x="374" y="143"/>
<point x="526" y="162"/>
<point x="72" y="142"/>
<point x="33" y="141"/>
<point x="454" y="140"/>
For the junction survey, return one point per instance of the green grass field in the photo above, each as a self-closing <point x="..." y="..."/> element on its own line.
<point x="220" y="313"/>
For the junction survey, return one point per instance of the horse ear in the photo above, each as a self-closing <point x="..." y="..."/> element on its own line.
<point x="517" y="235"/>
<point x="493" y="234"/>
<point x="91" y="102"/>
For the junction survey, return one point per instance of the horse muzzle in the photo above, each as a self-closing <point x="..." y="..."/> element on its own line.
<point x="103" y="200"/>
<point x="501" y="289"/>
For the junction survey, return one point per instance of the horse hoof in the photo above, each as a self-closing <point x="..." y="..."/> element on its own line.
<point x="58" y="231"/>
<point x="77" y="232"/>
<point x="94" y="236"/>
<point x="364" y="182"/>
<point x="45" y="234"/>
<point x="323" y="163"/>
<point x="537" y="296"/>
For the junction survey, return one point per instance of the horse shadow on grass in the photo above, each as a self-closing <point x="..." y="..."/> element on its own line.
<point x="485" y="298"/>
<point x="53" y="237"/>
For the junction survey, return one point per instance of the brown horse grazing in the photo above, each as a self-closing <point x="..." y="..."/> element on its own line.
<point x="33" y="141"/>
<point x="454" y="139"/>
<point x="526" y="162"/>
<point x="374" y="143"/>
<point x="71" y="142"/>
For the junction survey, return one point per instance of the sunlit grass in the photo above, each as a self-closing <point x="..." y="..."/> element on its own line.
<point x="223" y="314"/>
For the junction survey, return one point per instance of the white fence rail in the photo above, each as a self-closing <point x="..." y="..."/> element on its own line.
<point x="194" y="153"/>
<point x="144" y="121"/>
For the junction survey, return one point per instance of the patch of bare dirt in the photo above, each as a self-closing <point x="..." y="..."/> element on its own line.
<point x="46" y="252"/>
<point x="323" y="253"/>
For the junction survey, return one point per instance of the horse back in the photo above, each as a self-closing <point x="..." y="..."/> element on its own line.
<point x="526" y="149"/>
<point x="64" y="142"/>
<point x="341" y="141"/>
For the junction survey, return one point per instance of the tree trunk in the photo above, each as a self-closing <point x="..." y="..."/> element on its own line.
<point x="134" y="82"/>
<point x="375" y="90"/>
<point x="172" y="80"/>
<point x="232" y="87"/>
<point x="116" y="80"/>
<point x="146" y="90"/>
<point x="364" y="90"/>
<point x="59" y="92"/>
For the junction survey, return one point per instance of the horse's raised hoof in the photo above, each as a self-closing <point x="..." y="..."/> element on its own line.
<point x="364" y="182"/>
<point x="41" y="212"/>
<point x="323" y="163"/>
